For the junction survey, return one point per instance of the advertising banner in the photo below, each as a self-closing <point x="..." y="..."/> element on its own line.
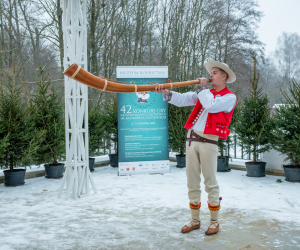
<point x="143" y="123"/>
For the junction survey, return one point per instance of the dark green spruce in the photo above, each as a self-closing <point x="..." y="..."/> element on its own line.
<point x="286" y="125"/>
<point x="96" y="128"/>
<point x="110" y="119"/>
<point x="19" y="137"/>
<point x="253" y="126"/>
<point x="47" y="112"/>
<point x="3" y="145"/>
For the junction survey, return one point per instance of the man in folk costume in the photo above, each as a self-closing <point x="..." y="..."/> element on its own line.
<point x="208" y="122"/>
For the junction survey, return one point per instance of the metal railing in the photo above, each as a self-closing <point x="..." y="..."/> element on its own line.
<point x="236" y="149"/>
<point x="105" y="147"/>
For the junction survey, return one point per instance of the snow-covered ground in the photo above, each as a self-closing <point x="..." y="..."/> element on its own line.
<point x="147" y="212"/>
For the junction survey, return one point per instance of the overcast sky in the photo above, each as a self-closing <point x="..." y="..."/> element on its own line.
<point x="279" y="16"/>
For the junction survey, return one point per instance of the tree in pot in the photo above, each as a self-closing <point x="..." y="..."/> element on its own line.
<point x="177" y="133"/>
<point x="110" y="120"/>
<point x="253" y="127"/>
<point x="223" y="158"/>
<point x="96" y="131"/>
<point x="286" y="132"/>
<point x="20" y="139"/>
<point x="47" y="107"/>
<point x="224" y="146"/>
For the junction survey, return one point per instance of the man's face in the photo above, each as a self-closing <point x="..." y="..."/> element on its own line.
<point x="218" y="77"/>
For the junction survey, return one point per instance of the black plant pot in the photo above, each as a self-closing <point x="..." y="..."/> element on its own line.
<point x="180" y="161"/>
<point x="54" y="171"/>
<point x="114" y="160"/>
<point x="257" y="169"/>
<point x="14" y="177"/>
<point x="91" y="164"/>
<point x="223" y="163"/>
<point x="292" y="173"/>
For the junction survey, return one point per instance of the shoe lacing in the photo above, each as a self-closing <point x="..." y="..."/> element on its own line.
<point x="193" y="223"/>
<point x="213" y="224"/>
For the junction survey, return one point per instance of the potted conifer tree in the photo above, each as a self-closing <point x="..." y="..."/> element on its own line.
<point x="22" y="139"/>
<point x="224" y="146"/>
<point x="177" y="133"/>
<point x="223" y="158"/>
<point x="253" y="127"/>
<point x="286" y="132"/>
<point x="96" y="131"/>
<point x="47" y="108"/>
<point x="110" y="120"/>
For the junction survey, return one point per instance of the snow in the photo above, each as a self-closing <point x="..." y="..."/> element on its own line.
<point x="147" y="212"/>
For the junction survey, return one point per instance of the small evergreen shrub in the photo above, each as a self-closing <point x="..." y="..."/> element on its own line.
<point x="286" y="126"/>
<point x="253" y="126"/>
<point x="47" y="116"/>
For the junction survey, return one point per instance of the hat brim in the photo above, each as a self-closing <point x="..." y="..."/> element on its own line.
<point x="214" y="64"/>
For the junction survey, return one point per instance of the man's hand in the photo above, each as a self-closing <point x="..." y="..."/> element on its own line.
<point x="203" y="81"/>
<point x="159" y="89"/>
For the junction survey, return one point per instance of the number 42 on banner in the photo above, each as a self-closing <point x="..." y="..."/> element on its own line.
<point x="124" y="109"/>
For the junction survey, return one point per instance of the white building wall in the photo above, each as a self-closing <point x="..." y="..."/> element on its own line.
<point x="274" y="160"/>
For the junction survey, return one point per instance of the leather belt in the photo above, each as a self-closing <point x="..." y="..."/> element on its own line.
<point x="201" y="139"/>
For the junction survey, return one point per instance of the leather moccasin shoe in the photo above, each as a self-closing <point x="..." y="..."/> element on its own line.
<point x="190" y="227"/>
<point x="213" y="228"/>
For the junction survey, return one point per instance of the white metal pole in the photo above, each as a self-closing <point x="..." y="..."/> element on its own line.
<point x="77" y="175"/>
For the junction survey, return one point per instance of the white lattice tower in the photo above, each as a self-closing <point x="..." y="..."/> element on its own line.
<point x="77" y="176"/>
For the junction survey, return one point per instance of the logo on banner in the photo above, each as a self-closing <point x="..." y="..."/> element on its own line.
<point x="142" y="99"/>
<point x="127" y="169"/>
<point x="133" y="169"/>
<point x="140" y="165"/>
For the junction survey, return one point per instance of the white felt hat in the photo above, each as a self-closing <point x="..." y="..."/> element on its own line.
<point x="214" y="64"/>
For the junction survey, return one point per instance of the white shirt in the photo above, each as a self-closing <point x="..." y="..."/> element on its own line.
<point x="223" y="103"/>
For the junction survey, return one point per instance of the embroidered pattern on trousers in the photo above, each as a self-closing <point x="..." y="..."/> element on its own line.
<point x="195" y="206"/>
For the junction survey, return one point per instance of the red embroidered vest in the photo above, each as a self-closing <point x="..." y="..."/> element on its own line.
<point x="216" y="123"/>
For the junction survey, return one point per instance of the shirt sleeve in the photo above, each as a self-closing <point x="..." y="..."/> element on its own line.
<point x="223" y="103"/>
<point x="181" y="100"/>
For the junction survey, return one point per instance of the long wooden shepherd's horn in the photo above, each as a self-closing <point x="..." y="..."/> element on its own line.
<point x="79" y="74"/>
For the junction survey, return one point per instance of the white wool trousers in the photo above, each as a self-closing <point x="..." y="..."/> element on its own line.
<point x="202" y="157"/>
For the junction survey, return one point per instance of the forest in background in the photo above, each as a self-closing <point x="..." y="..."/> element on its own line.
<point x="180" y="34"/>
